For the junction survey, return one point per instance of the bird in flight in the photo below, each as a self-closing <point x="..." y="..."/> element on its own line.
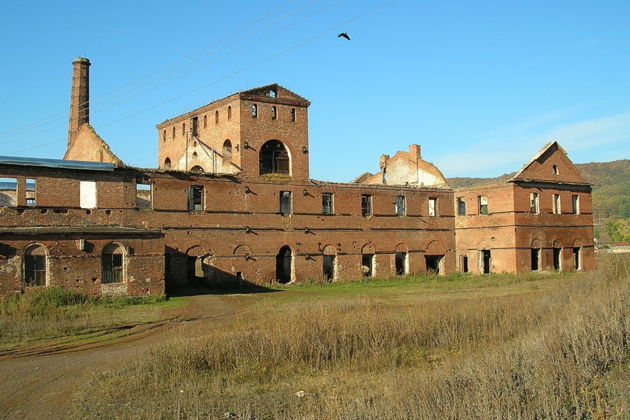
<point x="343" y="35"/>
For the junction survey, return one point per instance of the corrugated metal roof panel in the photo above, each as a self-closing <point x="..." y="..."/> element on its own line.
<point x="57" y="163"/>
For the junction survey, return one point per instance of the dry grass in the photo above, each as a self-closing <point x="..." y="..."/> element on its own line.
<point x="57" y="314"/>
<point x="537" y="354"/>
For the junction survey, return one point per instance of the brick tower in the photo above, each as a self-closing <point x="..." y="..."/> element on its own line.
<point x="79" y="96"/>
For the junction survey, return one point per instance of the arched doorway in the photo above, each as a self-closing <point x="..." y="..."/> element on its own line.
<point x="329" y="263"/>
<point x="284" y="262"/>
<point x="274" y="158"/>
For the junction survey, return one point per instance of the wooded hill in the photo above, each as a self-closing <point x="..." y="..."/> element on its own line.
<point x="611" y="186"/>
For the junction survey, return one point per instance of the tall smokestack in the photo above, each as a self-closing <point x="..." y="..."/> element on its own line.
<point x="79" y="96"/>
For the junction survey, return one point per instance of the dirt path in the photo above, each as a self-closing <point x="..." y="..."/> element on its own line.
<point x="42" y="386"/>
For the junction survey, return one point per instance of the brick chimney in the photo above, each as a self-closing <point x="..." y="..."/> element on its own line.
<point x="79" y="96"/>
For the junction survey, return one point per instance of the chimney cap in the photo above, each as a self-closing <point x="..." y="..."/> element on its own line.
<point x="81" y="60"/>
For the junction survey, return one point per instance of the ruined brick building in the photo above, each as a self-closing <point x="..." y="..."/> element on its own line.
<point x="232" y="203"/>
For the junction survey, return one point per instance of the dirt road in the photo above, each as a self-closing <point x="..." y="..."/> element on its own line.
<point x="41" y="386"/>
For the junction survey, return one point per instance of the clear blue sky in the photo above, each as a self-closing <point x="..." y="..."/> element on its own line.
<point x="480" y="85"/>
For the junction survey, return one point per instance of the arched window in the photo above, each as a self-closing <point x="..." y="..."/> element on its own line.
<point x="164" y="135"/>
<point x="216" y="117"/>
<point x="35" y="265"/>
<point x="173" y="132"/>
<point x="274" y="113"/>
<point x="113" y="264"/>
<point x="227" y="150"/>
<point x="205" y="121"/>
<point x="183" y="128"/>
<point x="274" y="158"/>
<point x="194" y="155"/>
<point x="229" y="112"/>
<point x="167" y="163"/>
<point x="198" y="169"/>
<point x="254" y="111"/>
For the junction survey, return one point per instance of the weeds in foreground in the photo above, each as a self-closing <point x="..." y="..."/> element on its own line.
<point x="533" y="355"/>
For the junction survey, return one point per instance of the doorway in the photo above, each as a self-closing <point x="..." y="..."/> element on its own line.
<point x="485" y="261"/>
<point x="329" y="267"/>
<point x="284" y="262"/>
<point x="557" y="265"/>
<point x="535" y="259"/>
<point x="433" y="263"/>
<point x="401" y="263"/>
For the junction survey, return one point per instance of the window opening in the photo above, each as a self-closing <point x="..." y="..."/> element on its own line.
<point x="31" y="187"/>
<point x="143" y="195"/>
<point x="35" y="266"/>
<point x="366" y="205"/>
<point x="556" y="204"/>
<point x="367" y="265"/>
<point x="195" y="198"/>
<point x="194" y="126"/>
<point x="534" y="203"/>
<point x="164" y="135"/>
<point x="483" y="204"/>
<point x="555" y="170"/>
<point x="463" y="263"/>
<point x="167" y="163"/>
<point x="284" y="262"/>
<point x="227" y="151"/>
<point x="274" y="113"/>
<point x="197" y="169"/>
<point x="216" y="117"/>
<point x="433" y="263"/>
<point x="229" y="113"/>
<point x="461" y="207"/>
<point x="274" y="158"/>
<point x="254" y="111"/>
<point x="293" y="115"/>
<point x="8" y="192"/>
<point x="535" y="259"/>
<point x="112" y="260"/>
<point x="87" y="194"/>
<point x="272" y="93"/>
<point x="205" y="121"/>
<point x="557" y="264"/>
<point x="485" y="261"/>
<point x="183" y="128"/>
<point x="327" y="203"/>
<point x="575" y="204"/>
<point x="399" y="205"/>
<point x="285" y="202"/>
<point x="174" y="132"/>
<point x="432" y="206"/>
<point x="329" y="267"/>
<point x="401" y="263"/>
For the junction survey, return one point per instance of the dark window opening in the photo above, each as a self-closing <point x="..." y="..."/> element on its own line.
<point x="112" y="260"/>
<point x="197" y="169"/>
<point x="367" y="265"/>
<point x="329" y="267"/>
<point x="535" y="259"/>
<point x="285" y="202"/>
<point x="327" y="203"/>
<point x="461" y="207"/>
<point x="577" y="261"/>
<point x="229" y="112"/>
<point x="284" y="261"/>
<point x="167" y="163"/>
<point x="274" y="158"/>
<point x="194" y="126"/>
<point x="463" y="263"/>
<point x="399" y="205"/>
<point x="195" y="198"/>
<point x="483" y="204"/>
<point x="205" y="121"/>
<point x="293" y="115"/>
<point x="433" y="263"/>
<point x="164" y="135"/>
<point x="485" y="261"/>
<point x="183" y="128"/>
<point x="557" y="264"/>
<point x="227" y="151"/>
<point x="174" y="133"/>
<point x="366" y="205"/>
<point x="143" y="195"/>
<point x="401" y="263"/>
<point x="555" y="170"/>
<point x="216" y="117"/>
<point x="35" y="266"/>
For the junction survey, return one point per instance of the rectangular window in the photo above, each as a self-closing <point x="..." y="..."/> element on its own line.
<point x="483" y="204"/>
<point x="8" y="192"/>
<point x="35" y="270"/>
<point x="367" y="265"/>
<point x="195" y="198"/>
<point x="194" y="125"/>
<point x="327" y="203"/>
<point x="433" y="206"/>
<point x="556" y="204"/>
<point x="463" y="263"/>
<point x="143" y="195"/>
<point x="575" y="204"/>
<point x="366" y="205"/>
<point x="533" y="203"/>
<point x="577" y="261"/>
<point x="461" y="207"/>
<point x="31" y="186"/>
<point x="399" y="205"/>
<point x="112" y="268"/>
<point x="285" y="202"/>
<point x="87" y="194"/>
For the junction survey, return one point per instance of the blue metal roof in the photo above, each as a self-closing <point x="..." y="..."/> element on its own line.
<point x="57" y="163"/>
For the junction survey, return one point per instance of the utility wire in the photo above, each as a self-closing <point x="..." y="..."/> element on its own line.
<point x="240" y="70"/>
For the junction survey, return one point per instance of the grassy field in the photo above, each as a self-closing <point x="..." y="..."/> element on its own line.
<point x="496" y="346"/>
<point x="56" y="317"/>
